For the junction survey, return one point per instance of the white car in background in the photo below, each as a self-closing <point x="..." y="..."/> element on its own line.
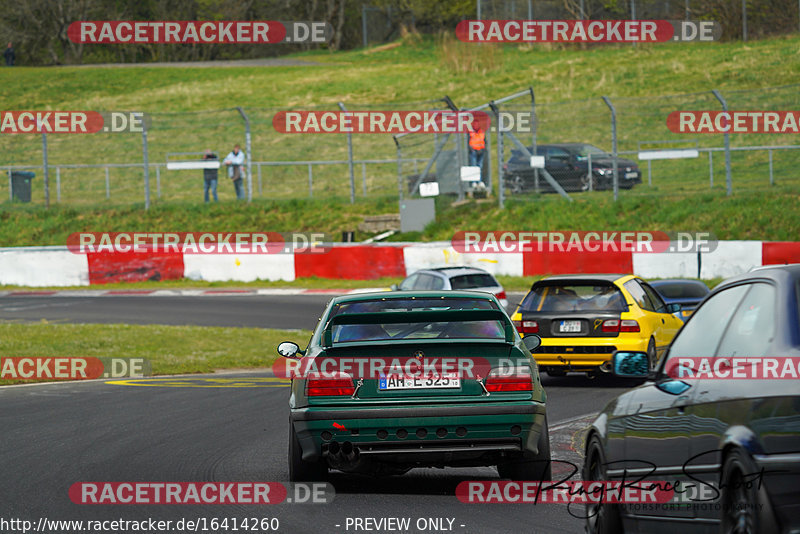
<point x="458" y="278"/>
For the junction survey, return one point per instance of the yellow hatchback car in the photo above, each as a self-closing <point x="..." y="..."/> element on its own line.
<point x="583" y="319"/>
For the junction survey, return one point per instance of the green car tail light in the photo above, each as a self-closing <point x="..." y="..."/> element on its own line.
<point x="329" y="387"/>
<point x="504" y="382"/>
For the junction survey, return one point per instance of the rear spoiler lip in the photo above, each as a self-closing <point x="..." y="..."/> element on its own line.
<point x="417" y="317"/>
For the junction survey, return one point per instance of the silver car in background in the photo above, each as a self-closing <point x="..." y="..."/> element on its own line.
<point x="458" y="278"/>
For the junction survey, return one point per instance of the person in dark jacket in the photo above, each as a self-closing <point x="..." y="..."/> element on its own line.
<point x="210" y="177"/>
<point x="10" y="56"/>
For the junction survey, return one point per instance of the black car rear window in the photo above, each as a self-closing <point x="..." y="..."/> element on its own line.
<point x="470" y="281"/>
<point x="574" y="297"/>
<point x="682" y="290"/>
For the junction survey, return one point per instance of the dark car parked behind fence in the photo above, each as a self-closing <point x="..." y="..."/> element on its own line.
<point x="568" y="164"/>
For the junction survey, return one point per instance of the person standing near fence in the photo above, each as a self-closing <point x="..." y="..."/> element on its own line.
<point x="9" y="55"/>
<point x="477" y="145"/>
<point x="210" y="177"/>
<point x="235" y="162"/>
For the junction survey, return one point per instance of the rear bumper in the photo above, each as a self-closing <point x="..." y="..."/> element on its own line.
<point x="585" y="354"/>
<point x="423" y="434"/>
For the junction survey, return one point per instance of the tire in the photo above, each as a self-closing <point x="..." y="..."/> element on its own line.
<point x="537" y="469"/>
<point x="516" y="185"/>
<point x="741" y="505"/>
<point x="300" y="471"/>
<point x="588" y="182"/>
<point x="601" y="518"/>
<point x="556" y="372"/>
<point x="652" y="354"/>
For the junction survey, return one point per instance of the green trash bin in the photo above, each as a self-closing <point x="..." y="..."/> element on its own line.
<point x="21" y="185"/>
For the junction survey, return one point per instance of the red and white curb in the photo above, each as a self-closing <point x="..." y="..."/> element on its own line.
<point x="58" y="267"/>
<point x="187" y="292"/>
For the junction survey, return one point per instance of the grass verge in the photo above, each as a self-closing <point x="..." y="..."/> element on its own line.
<point x="170" y="349"/>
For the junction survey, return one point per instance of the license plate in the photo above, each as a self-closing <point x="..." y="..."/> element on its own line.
<point x="630" y="175"/>
<point x="419" y="382"/>
<point x="569" y="326"/>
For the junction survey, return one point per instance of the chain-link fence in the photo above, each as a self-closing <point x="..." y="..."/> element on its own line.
<point x="108" y="169"/>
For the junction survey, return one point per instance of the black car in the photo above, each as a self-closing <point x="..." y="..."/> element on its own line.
<point x="568" y="164"/>
<point x="733" y="444"/>
<point x="686" y="293"/>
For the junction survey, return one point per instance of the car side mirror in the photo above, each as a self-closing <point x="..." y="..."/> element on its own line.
<point x="630" y="364"/>
<point x="532" y="342"/>
<point x="289" y="349"/>
<point x="674" y="307"/>
<point x="394" y="287"/>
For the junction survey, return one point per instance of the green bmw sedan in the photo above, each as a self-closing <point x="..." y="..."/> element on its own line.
<point x="394" y="381"/>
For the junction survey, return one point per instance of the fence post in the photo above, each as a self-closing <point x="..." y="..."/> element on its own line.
<point x="364" y="25"/>
<point x="589" y="173"/>
<point x="46" y="170"/>
<point x="58" y="184"/>
<point x="479" y="10"/>
<point x="10" y="187"/>
<point x="649" y="172"/>
<point x="771" y="178"/>
<point x="108" y="185"/>
<point x="501" y="186"/>
<point x="710" y="169"/>
<point x="310" y="182"/>
<point x="728" y="183"/>
<point x="259" y="181"/>
<point x="146" y="167"/>
<point x="613" y="145"/>
<point x="158" y="181"/>
<point x="400" y="168"/>
<point x="534" y="131"/>
<point x="744" y="20"/>
<point x="249" y="151"/>
<point x="350" y="161"/>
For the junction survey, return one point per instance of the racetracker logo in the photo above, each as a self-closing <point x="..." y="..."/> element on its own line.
<point x="563" y="492"/>
<point x="76" y="122"/>
<point x="198" y="32"/>
<point x="380" y="122"/>
<point x="717" y="122"/>
<point x="72" y="368"/>
<point x="198" y="242"/>
<point x="177" y="493"/>
<point x="642" y="242"/>
<point x="586" y="31"/>
<point x="733" y="368"/>
<point x="373" y="367"/>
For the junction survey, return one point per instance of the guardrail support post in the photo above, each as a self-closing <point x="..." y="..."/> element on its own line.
<point x="146" y="167"/>
<point x="46" y="171"/>
<point x="728" y="182"/>
<point x="613" y="145"/>
<point x="249" y="151"/>
<point x="350" y="161"/>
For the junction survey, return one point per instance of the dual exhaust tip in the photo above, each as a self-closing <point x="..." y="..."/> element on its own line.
<point x="342" y="453"/>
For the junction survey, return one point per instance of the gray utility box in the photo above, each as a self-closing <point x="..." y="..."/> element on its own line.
<point x="416" y="214"/>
